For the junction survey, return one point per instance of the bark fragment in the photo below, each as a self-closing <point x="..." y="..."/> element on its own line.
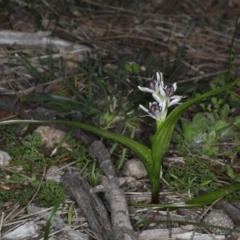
<point x="90" y="203"/>
<point x="122" y="228"/>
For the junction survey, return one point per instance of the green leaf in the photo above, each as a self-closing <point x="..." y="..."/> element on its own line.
<point x="132" y="68"/>
<point x="238" y="79"/>
<point x="236" y="121"/>
<point x="212" y="136"/>
<point x="212" y="86"/>
<point x="63" y="104"/>
<point x="225" y="110"/>
<point x="70" y="213"/>
<point x="194" y="131"/>
<point x="219" y="126"/>
<point x="205" y="183"/>
<point x="143" y="151"/>
<point x="230" y="172"/>
<point x="53" y="212"/>
<point x="213" y="196"/>
<point x="214" y="100"/>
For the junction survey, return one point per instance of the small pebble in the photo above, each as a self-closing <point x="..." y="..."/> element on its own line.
<point x="4" y="159"/>
<point x="135" y="168"/>
<point x="219" y="218"/>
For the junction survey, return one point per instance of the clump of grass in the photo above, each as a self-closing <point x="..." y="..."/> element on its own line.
<point x="46" y="197"/>
<point x="192" y="177"/>
<point x="27" y="154"/>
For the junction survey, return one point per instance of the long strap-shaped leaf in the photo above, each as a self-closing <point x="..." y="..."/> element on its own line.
<point x="214" y="195"/>
<point x="143" y="151"/>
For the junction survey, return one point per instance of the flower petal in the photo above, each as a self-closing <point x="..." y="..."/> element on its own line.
<point x="175" y="86"/>
<point x="174" y="100"/>
<point x="144" y="89"/>
<point x="157" y="98"/>
<point x="162" y="92"/>
<point x="159" y="76"/>
<point x="150" y="114"/>
<point x="144" y="109"/>
<point x="156" y="111"/>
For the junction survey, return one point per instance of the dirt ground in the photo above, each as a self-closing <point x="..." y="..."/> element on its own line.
<point x="190" y="41"/>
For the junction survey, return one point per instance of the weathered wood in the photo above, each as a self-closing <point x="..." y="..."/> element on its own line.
<point x="101" y="154"/>
<point x="25" y="231"/>
<point x="178" y="233"/>
<point x="122" y="228"/>
<point x="40" y="39"/>
<point x="90" y="204"/>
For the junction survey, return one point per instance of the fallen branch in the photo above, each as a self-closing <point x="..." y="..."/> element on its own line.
<point x="40" y="39"/>
<point x="90" y="204"/>
<point x="122" y="228"/>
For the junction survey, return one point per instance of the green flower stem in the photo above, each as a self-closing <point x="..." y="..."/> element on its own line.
<point x="155" y="183"/>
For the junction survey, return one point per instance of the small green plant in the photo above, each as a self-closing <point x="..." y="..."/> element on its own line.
<point x="152" y="157"/>
<point x="49" y="193"/>
<point x="49" y="71"/>
<point x="59" y="200"/>
<point x="198" y="174"/>
<point x="209" y="128"/>
<point x="46" y="196"/>
<point x="133" y="68"/>
<point x="230" y="172"/>
<point x="27" y="154"/>
<point x="104" y="113"/>
<point x="215" y="104"/>
<point x="191" y="177"/>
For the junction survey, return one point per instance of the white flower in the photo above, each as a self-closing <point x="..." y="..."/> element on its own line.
<point x="163" y="95"/>
<point x="157" y="110"/>
<point x="174" y="100"/>
<point x="170" y="101"/>
<point x="154" y="85"/>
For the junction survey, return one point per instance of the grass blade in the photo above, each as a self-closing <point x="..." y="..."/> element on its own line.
<point x="53" y="212"/>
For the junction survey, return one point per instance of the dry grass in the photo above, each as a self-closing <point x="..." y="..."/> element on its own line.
<point x="188" y="40"/>
<point x="201" y="31"/>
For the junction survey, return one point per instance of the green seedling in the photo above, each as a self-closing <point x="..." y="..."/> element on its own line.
<point x="59" y="201"/>
<point x="133" y="68"/>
